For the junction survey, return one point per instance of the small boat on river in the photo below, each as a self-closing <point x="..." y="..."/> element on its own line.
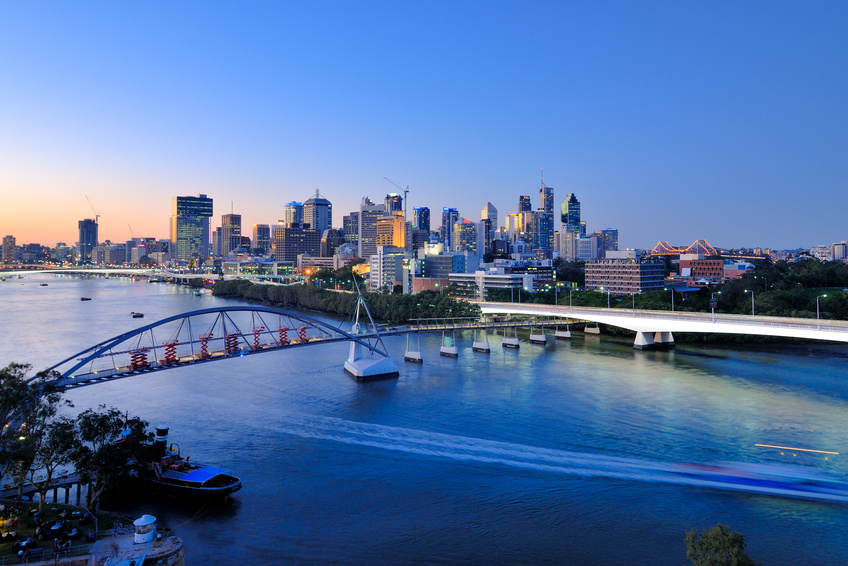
<point x="85" y="298"/>
<point x="137" y="314"/>
<point x="167" y="472"/>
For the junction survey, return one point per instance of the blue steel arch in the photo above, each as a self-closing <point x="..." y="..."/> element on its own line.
<point x="134" y="359"/>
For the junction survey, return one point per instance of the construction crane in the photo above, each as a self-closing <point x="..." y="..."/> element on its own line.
<point x="405" y="193"/>
<point x="96" y="214"/>
<point x="131" y="232"/>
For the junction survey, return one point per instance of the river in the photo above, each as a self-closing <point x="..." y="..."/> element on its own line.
<point x="547" y="454"/>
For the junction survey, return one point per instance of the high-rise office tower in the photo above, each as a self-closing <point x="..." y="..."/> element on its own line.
<point x="608" y="241"/>
<point x="449" y="217"/>
<point x="291" y="241"/>
<point x="292" y="214"/>
<point x="464" y="236"/>
<point x="391" y="230"/>
<point x="87" y="239"/>
<point x="421" y="218"/>
<point x="524" y="204"/>
<point x="543" y="227"/>
<point x="230" y="233"/>
<point x="190" y="225"/>
<point x="331" y="239"/>
<point x="368" y="215"/>
<point x="570" y="214"/>
<point x="262" y="238"/>
<point x="394" y="203"/>
<point x="489" y="223"/>
<point x="350" y="227"/>
<point x="8" y="249"/>
<point x="318" y="213"/>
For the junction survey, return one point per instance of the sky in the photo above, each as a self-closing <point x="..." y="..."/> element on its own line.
<point x="670" y="121"/>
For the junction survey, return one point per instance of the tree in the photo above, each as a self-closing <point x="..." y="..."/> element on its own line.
<point x="718" y="546"/>
<point x="53" y="450"/>
<point x="26" y="407"/>
<point x="101" y="459"/>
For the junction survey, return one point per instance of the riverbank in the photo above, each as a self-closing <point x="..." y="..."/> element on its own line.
<point x="392" y="309"/>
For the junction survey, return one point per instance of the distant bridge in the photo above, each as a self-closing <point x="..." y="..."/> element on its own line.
<point x="655" y="328"/>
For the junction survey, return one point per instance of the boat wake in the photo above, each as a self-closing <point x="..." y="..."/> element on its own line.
<point x="771" y="479"/>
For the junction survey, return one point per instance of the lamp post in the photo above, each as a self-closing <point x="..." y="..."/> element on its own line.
<point x="672" y="297"/>
<point x="752" y="300"/>
<point x="570" y="289"/>
<point x="713" y="302"/>
<point x="633" y="298"/>
<point x="608" y="299"/>
<point x="818" y="318"/>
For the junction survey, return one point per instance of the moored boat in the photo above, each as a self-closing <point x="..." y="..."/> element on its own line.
<point x="167" y="472"/>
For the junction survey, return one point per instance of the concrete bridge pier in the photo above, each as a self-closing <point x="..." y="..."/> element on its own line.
<point x="448" y="348"/>
<point x="655" y="341"/>
<point x="562" y="334"/>
<point x="413" y="356"/>
<point x="481" y="345"/>
<point x="537" y="336"/>
<point x="592" y="329"/>
<point x="511" y="342"/>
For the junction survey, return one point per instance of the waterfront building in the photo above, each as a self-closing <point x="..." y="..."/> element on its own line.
<point x="87" y="239"/>
<point x="624" y="273"/>
<point x="393" y="203"/>
<point x="297" y="239"/>
<point x="386" y="268"/>
<point x="262" y="238"/>
<point x="191" y="218"/>
<point x="570" y="215"/>
<point x="9" y="249"/>
<point x="368" y="215"/>
<point x="307" y="263"/>
<point x="318" y="213"/>
<point x="292" y="214"/>
<point x="421" y="218"/>
<point x="230" y="233"/>
<point x="450" y="216"/>
<point x="697" y="266"/>
<point x="531" y="276"/>
<point x="109" y="254"/>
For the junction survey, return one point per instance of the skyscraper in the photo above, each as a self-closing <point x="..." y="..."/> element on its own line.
<point x="394" y="203"/>
<point x="292" y="214"/>
<point x="421" y="218"/>
<point x="570" y="214"/>
<point x="87" y="239"/>
<point x="524" y="204"/>
<point x="262" y="237"/>
<point x="368" y="215"/>
<point x="391" y="230"/>
<point x="230" y="233"/>
<point x="190" y="224"/>
<point x="608" y="241"/>
<point x="8" y="249"/>
<point x="489" y="223"/>
<point x="318" y="213"/>
<point x="543" y="228"/>
<point x="350" y="227"/>
<point x="449" y="217"/>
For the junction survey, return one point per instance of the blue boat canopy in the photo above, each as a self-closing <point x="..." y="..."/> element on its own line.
<point x="204" y="474"/>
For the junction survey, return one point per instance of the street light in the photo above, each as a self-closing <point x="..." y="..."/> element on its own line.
<point x="713" y="302"/>
<point x="672" y="297"/>
<point x="818" y="318"/>
<point x="752" y="300"/>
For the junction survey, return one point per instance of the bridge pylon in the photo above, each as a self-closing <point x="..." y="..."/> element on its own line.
<point x="481" y="345"/>
<point x="375" y="364"/>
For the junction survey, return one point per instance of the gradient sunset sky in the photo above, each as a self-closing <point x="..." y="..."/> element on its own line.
<point x="668" y="120"/>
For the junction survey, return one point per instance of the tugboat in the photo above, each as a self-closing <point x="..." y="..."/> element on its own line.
<point x="167" y="472"/>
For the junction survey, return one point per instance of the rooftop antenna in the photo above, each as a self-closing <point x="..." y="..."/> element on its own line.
<point x="543" y="176"/>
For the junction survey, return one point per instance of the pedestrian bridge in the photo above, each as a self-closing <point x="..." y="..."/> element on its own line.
<point x="656" y="328"/>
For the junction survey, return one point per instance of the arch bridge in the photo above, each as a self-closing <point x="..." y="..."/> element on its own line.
<point x="207" y="335"/>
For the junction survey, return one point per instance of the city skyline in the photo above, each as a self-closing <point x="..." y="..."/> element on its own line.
<point x="668" y="122"/>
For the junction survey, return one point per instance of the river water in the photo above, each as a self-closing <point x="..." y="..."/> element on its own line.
<point x="548" y="454"/>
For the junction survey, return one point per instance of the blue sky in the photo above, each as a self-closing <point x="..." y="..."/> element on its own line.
<point x="668" y="120"/>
